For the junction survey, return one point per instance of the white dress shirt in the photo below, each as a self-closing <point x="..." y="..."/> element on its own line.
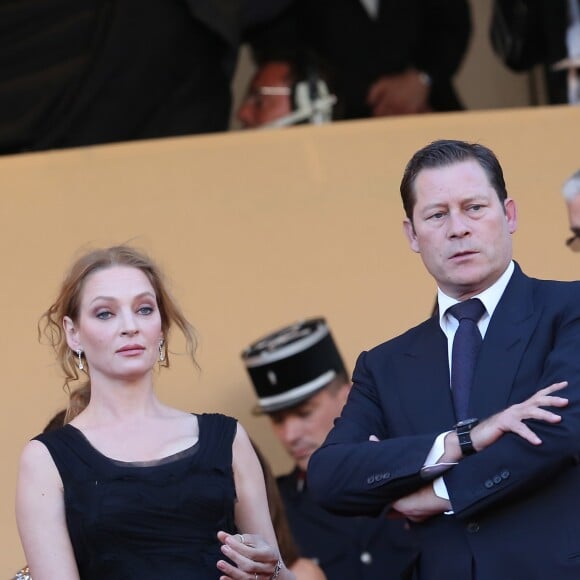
<point x="449" y="324"/>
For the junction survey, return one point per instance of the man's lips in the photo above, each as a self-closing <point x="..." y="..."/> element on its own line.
<point x="301" y="453"/>
<point x="463" y="254"/>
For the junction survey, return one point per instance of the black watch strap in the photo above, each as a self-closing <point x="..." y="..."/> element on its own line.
<point x="463" y="430"/>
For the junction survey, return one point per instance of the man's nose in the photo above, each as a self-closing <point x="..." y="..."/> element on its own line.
<point x="290" y="430"/>
<point x="458" y="225"/>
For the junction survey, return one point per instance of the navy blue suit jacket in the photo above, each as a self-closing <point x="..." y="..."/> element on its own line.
<point x="516" y="506"/>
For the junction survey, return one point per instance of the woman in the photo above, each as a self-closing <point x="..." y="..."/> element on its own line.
<point x="132" y="488"/>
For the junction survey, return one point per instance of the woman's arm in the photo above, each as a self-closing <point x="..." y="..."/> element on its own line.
<point x="40" y="516"/>
<point x="254" y="549"/>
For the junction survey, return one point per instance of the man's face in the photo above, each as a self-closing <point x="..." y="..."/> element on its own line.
<point x="302" y="429"/>
<point x="460" y="228"/>
<point x="268" y="97"/>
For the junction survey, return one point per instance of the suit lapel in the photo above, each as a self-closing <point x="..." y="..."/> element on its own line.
<point x="507" y="336"/>
<point x="424" y="375"/>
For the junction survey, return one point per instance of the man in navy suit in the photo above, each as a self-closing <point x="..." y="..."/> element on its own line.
<point x="495" y="496"/>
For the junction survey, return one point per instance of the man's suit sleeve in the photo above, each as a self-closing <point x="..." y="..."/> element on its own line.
<point x="350" y="474"/>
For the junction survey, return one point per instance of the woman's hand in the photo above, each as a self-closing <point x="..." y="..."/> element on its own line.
<point x="254" y="558"/>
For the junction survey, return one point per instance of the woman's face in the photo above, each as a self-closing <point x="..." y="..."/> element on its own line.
<point x="118" y="326"/>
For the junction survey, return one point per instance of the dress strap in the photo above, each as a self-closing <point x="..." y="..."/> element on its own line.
<point x="65" y="448"/>
<point x="216" y="437"/>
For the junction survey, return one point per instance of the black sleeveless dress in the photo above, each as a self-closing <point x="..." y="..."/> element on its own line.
<point x="149" y="520"/>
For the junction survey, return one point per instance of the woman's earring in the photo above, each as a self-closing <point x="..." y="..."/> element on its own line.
<point x="161" y="350"/>
<point x="80" y="356"/>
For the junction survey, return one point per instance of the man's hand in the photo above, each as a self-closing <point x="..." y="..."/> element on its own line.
<point x="421" y="505"/>
<point x="511" y="420"/>
<point x="424" y="504"/>
<point x="402" y="94"/>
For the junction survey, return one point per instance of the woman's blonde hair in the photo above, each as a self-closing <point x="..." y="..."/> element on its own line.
<point x="68" y="304"/>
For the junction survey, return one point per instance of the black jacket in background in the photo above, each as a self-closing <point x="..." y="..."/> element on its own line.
<point x="82" y="72"/>
<point x="428" y="35"/>
<point x="525" y="33"/>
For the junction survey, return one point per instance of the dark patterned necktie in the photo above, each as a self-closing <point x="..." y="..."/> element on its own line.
<point x="466" y="346"/>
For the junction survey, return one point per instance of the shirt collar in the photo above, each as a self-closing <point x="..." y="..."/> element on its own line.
<point x="490" y="297"/>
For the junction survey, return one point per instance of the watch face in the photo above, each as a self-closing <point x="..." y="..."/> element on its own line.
<point x="467" y="422"/>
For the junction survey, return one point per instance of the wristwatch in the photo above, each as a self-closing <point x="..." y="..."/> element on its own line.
<point x="463" y="430"/>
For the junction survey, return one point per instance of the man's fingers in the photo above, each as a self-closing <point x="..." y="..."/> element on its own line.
<point x="512" y="420"/>
<point x="546" y="416"/>
<point x="552" y="388"/>
<point x="526" y="433"/>
<point x="516" y="425"/>
<point x="554" y="402"/>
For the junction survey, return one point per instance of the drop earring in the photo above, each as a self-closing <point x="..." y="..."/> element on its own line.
<point x="161" y="350"/>
<point x="80" y="357"/>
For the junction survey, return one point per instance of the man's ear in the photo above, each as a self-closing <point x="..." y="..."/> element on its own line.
<point x="409" y="230"/>
<point x="511" y="214"/>
<point x="71" y="333"/>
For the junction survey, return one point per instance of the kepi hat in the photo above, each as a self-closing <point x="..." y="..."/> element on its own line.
<point x="291" y="364"/>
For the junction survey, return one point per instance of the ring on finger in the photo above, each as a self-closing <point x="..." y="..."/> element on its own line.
<point x="242" y="538"/>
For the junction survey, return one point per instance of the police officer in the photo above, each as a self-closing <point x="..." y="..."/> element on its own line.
<point x="302" y="384"/>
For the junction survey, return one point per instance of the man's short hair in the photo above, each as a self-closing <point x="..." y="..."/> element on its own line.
<point x="446" y="152"/>
<point x="571" y="187"/>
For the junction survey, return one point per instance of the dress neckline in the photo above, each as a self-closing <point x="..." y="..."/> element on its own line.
<point x="172" y="458"/>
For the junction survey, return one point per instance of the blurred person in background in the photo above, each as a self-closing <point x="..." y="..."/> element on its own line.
<point x="527" y="33"/>
<point x="571" y="193"/>
<point x="286" y="92"/>
<point x="385" y="57"/>
<point x="86" y="72"/>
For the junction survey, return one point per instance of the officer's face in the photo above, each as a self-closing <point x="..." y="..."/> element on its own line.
<point x="302" y="429"/>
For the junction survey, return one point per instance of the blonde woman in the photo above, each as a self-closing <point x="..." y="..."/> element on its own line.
<point x="130" y="488"/>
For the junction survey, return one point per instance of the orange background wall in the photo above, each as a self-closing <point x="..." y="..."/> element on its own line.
<point x="254" y="230"/>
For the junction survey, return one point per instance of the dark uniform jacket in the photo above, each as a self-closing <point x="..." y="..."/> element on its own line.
<point x="345" y="548"/>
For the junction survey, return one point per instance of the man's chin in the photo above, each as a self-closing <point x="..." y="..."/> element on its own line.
<point x="302" y="464"/>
